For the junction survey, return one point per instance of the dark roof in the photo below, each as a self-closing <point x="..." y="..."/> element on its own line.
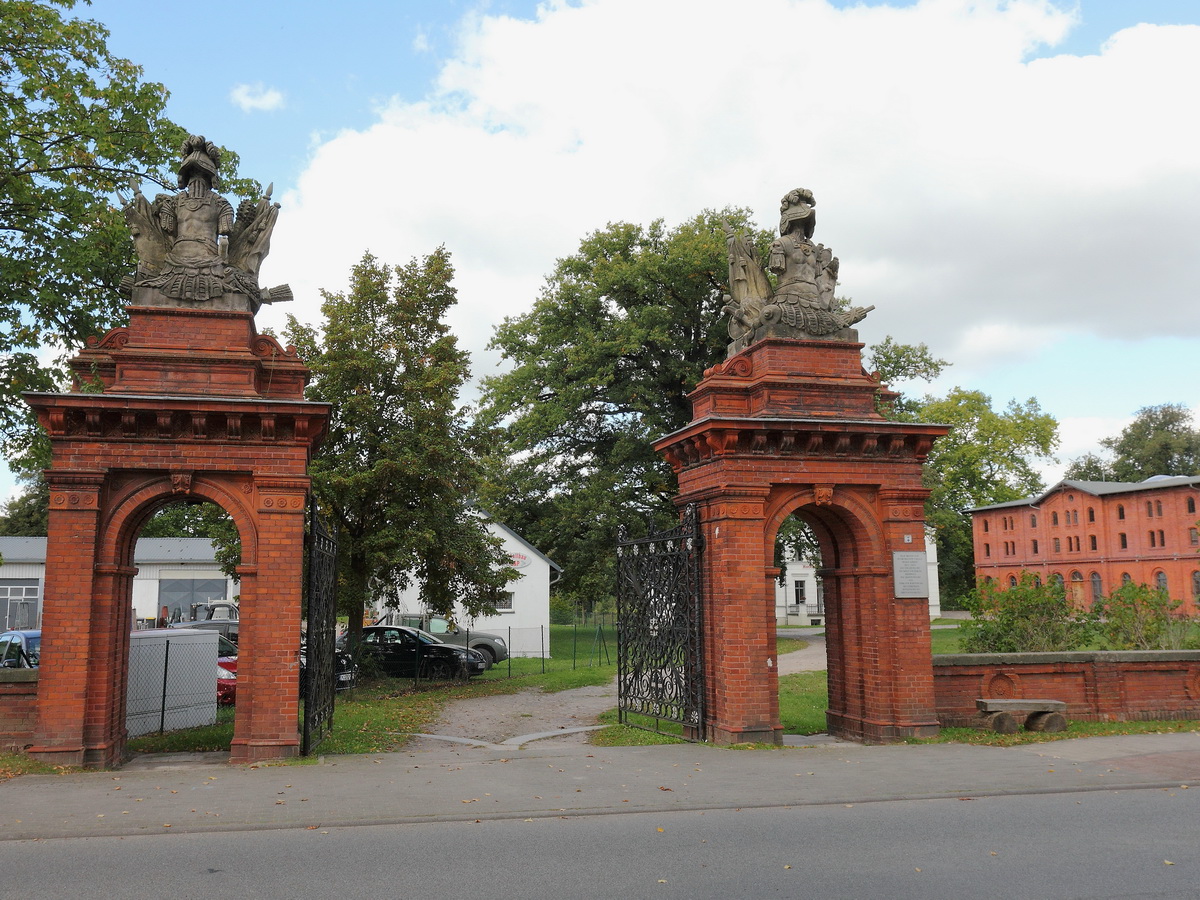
<point x="1101" y="489"/>
<point x="148" y="550"/>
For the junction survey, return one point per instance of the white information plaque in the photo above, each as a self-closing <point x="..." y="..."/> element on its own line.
<point x="910" y="571"/>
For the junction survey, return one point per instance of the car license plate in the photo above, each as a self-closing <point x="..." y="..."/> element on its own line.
<point x="344" y="676"/>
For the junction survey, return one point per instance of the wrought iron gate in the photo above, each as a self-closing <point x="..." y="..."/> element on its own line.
<point x="660" y="658"/>
<point x="319" y="686"/>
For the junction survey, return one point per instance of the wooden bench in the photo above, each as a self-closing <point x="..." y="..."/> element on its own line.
<point x="1006" y="716"/>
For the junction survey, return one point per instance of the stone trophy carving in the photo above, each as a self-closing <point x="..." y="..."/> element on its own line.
<point x="193" y="251"/>
<point x="800" y="304"/>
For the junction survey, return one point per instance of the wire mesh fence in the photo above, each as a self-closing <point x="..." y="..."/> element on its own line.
<point x="173" y="681"/>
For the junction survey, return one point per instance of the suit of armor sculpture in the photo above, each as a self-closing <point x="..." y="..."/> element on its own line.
<point x="192" y="249"/>
<point x="801" y="303"/>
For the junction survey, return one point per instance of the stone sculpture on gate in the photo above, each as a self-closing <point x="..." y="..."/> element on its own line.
<point x="192" y="249"/>
<point x="801" y="302"/>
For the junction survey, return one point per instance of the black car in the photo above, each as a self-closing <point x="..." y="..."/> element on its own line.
<point x="344" y="669"/>
<point x="411" y="653"/>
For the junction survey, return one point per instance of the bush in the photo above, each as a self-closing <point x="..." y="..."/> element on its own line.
<point x="1139" y="617"/>
<point x="1026" y="618"/>
<point x="562" y="610"/>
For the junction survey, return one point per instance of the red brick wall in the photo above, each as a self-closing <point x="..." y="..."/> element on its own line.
<point x="1096" y="686"/>
<point x="18" y="707"/>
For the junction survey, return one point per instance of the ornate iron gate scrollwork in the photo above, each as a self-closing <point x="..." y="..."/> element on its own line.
<point x="319" y="687"/>
<point x="660" y="658"/>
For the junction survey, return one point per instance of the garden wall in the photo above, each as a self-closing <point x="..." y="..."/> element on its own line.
<point x="18" y="707"/>
<point x="1103" y="686"/>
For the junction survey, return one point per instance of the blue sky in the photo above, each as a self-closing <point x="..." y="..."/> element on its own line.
<point x="1017" y="184"/>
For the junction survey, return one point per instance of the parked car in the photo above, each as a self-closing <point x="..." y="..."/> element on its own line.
<point x="491" y="646"/>
<point x="227" y="628"/>
<point x="227" y="653"/>
<point x="20" y="649"/>
<point x="226" y="686"/>
<point x="411" y="653"/>
<point x="345" y="671"/>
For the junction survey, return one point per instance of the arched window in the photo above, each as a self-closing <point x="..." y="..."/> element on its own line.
<point x="1195" y="585"/>
<point x="1012" y="581"/>
<point x="985" y="526"/>
<point x="1037" y="580"/>
<point x="1057" y="578"/>
<point x="1191" y="504"/>
<point x="1092" y="541"/>
<point x="1149" y="508"/>
<point x="1091" y="514"/>
<point x="1097" y="587"/>
<point x="1160" y="580"/>
<point x="1053" y="518"/>
<point x="1158" y="507"/>
<point x="1125" y="579"/>
<point x="1120" y="511"/>
<point x="1033" y="520"/>
<point x="1123" y="540"/>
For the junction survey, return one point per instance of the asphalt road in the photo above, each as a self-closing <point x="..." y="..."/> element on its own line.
<point x="1092" y="844"/>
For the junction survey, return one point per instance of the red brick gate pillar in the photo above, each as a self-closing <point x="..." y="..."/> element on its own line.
<point x="195" y="406"/>
<point x="794" y="426"/>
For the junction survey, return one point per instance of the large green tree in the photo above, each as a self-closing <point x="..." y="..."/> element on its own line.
<point x="397" y="471"/>
<point x="601" y="365"/>
<point x="988" y="457"/>
<point x="76" y="124"/>
<point x="1161" y="440"/>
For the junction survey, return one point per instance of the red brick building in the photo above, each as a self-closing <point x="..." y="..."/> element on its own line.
<point x="1095" y="535"/>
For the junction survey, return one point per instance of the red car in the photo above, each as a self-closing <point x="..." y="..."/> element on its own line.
<point x="226" y="686"/>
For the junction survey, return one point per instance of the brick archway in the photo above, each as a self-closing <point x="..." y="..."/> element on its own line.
<point x="195" y="406"/>
<point x="792" y="426"/>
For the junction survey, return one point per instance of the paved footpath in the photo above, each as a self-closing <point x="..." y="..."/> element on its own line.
<point x="552" y="778"/>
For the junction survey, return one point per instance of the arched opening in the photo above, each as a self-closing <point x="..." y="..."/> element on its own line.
<point x="185" y="607"/>
<point x="800" y="623"/>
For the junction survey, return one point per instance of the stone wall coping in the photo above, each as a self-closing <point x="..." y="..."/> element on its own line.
<point x="18" y="676"/>
<point x="115" y="398"/>
<point x="1078" y="656"/>
<point x="826" y="423"/>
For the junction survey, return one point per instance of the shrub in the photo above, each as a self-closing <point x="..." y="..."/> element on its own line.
<point x="1025" y="618"/>
<point x="562" y="610"/>
<point x="1139" y="617"/>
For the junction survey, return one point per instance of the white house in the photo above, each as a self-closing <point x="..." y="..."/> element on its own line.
<point x="523" y="616"/>
<point x="172" y="572"/>
<point x="800" y="599"/>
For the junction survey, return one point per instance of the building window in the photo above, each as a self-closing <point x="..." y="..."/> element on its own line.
<point x="1057" y="545"/>
<point x="1120" y="511"/>
<point x="1097" y="587"/>
<point x="1160" y="581"/>
<point x="1125" y="579"/>
<point x="19" y="602"/>
<point x="1152" y="544"/>
<point x="182" y="596"/>
<point x="1033" y="520"/>
<point x="1092" y="541"/>
<point x="1091" y="514"/>
<point x="1194" y="537"/>
<point x="1191" y="504"/>
<point x="1053" y="518"/>
<point x="800" y="588"/>
<point x="1149" y="508"/>
<point x="987" y="549"/>
<point x="1124" y="541"/>
<point x="1012" y="581"/>
<point x="1162" y="539"/>
<point x="1158" y="507"/>
<point x="1057" y="578"/>
<point x="1037" y="580"/>
<point x="985" y="526"/>
<point x="504" y="602"/>
<point x="1195" y="585"/>
<point x="1035" y="548"/>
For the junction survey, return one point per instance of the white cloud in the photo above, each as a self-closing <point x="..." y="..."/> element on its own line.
<point x="985" y="203"/>
<point x="256" y="98"/>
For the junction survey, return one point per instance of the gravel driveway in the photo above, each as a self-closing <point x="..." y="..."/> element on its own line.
<point x="516" y="718"/>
